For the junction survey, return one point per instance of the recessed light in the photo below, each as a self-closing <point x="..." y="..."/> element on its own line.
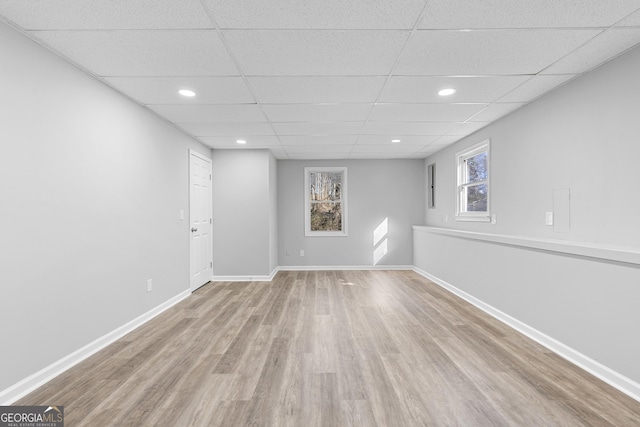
<point x="241" y="141"/>
<point x="395" y="141"/>
<point x="187" y="92"/>
<point x="447" y="92"/>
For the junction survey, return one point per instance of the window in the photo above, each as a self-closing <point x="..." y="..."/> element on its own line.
<point x="325" y="201"/>
<point x="473" y="183"/>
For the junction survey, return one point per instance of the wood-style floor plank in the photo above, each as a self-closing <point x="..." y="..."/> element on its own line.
<point x="330" y="348"/>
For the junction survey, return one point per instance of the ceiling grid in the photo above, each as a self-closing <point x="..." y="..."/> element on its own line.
<point x="330" y="79"/>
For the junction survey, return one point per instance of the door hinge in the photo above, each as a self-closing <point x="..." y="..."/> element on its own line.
<point x="210" y="220"/>
<point x="209" y="177"/>
<point x="211" y="264"/>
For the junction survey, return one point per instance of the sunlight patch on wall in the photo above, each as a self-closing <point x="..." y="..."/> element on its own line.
<point x="380" y="241"/>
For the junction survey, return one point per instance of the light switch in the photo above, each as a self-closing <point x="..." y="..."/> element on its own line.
<point x="181" y="214"/>
<point x="548" y="218"/>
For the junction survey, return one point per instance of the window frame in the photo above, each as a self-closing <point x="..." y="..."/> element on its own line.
<point x="461" y="156"/>
<point x="307" y="202"/>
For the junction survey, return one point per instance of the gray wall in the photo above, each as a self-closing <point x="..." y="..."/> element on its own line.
<point x="588" y="305"/>
<point x="377" y="189"/>
<point x="243" y="212"/>
<point x="583" y="136"/>
<point x="273" y="217"/>
<point x="91" y="187"/>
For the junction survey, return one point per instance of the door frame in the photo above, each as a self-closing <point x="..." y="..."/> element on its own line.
<point x="200" y="156"/>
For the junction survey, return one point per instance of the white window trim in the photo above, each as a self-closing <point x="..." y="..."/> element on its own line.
<point x="460" y="156"/>
<point x="343" y="200"/>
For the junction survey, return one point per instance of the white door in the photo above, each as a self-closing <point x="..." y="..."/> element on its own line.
<point x="200" y="219"/>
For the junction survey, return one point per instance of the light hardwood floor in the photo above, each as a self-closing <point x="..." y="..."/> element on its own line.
<point x="330" y="348"/>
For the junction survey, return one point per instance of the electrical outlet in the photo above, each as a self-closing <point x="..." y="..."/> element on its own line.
<point x="301" y="252"/>
<point x="494" y="219"/>
<point x="287" y="252"/>
<point x="149" y="285"/>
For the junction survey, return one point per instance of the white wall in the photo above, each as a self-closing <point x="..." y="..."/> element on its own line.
<point x="243" y="210"/>
<point x="377" y="189"/>
<point x="583" y="136"/>
<point x="91" y="186"/>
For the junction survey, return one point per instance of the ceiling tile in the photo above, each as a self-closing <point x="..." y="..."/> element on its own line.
<point x="496" y="111"/>
<point x="107" y="15"/>
<point x="238" y="130"/>
<point x="445" y="140"/>
<point x="433" y="148"/>
<point x="453" y="14"/>
<point x="164" y="90"/>
<point x="404" y="139"/>
<point x="317" y="156"/>
<point x="315" y="90"/>
<point x="633" y="20"/>
<point x="317" y="148"/>
<point x="317" y="69"/>
<point x="326" y="14"/>
<point x="143" y="53"/>
<point x="424" y="112"/>
<point x="408" y="128"/>
<point x="598" y="50"/>
<point x="318" y="128"/>
<point x="309" y="52"/>
<point x="481" y="52"/>
<point x="317" y="112"/>
<point x="380" y="156"/>
<point x="279" y="153"/>
<point x="276" y="150"/>
<point x="419" y="155"/>
<point x="230" y="142"/>
<point x="389" y="148"/>
<point x="211" y="113"/>
<point x="468" y="128"/>
<point x="318" y="139"/>
<point x="535" y="87"/>
<point x="426" y="153"/>
<point x="424" y="89"/>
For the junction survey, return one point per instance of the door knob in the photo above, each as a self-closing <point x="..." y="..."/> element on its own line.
<point x="193" y="230"/>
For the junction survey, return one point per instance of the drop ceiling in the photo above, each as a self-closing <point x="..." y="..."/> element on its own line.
<point x="329" y="79"/>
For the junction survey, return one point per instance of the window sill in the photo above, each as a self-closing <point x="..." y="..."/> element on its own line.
<point x="474" y="218"/>
<point x="325" y="234"/>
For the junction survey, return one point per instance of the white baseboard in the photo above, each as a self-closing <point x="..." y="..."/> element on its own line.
<point x="611" y="377"/>
<point x="264" y="278"/>
<point x="307" y="268"/>
<point x="343" y="267"/>
<point x="29" y="384"/>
